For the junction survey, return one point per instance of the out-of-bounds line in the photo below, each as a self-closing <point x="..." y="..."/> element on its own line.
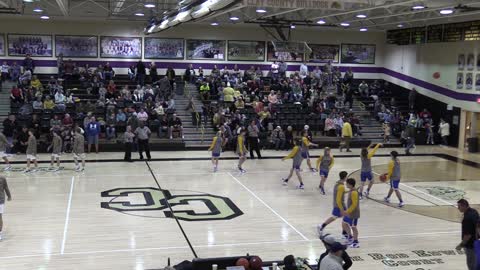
<point x="220" y="245"/>
<point x="266" y="205"/>
<point x="67" y="217"/>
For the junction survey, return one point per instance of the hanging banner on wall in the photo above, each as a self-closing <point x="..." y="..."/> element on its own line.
<point x="469" y="81"/>
<point x="477" y="82"/>
<point x="306" y="4"/>
<point x="459" y="80"/>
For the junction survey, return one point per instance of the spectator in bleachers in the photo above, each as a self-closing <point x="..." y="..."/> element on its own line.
<point x="175" y="125"/>
<point x="346" y="136"/>
<point x="239" y="103"/>
<point x="67" y="121"/>
<point x="15" y="71"/>
<point x="303" y="72"/>
<point x="10" y="127"/>
<point x="215" y="73"/>
<point x="338" y="121"/>
<point x="38" y="104"/>
<point x="93" y="131"/>
<point x="274" y="70"/>
<point x="171" y="105"/>
<point x="34" y="124"/>
<point x="5" y="70"/>
<point x="163" y="127"/>
<point x="121" y="118"/>
<point x="111" y="105"/>
<point x="444" y="130"/>
<point x="141" y="73"/>
<point x="111" y="90"/>
<point x="16" y="95"/>
<point x="26" y="77"/>
<point x="108" y="72"/>
<point x="55" y="123"/>
<point x="228" y="95"/>
<point x="60" y="101"/>
<point x="28" y="63"/>
<point x="68" y="69"/>
<point x="35" y="83"/>
<point x="348" y="76"/>
<point x="363" y="89"/>
<point x="142" y="115"/>
<point x="133" y="121"/>
<point x="272" y="100"/>
<point x="278" y="138"/>
<point x="205" y="91"/>
<point x="253" y="139"/>
<point x="110" y="131"/>
<point x="131" y="73"/>
<point x="189" y="75"/>
<point x="170" y="76"/>
<point x="26" y="109"/>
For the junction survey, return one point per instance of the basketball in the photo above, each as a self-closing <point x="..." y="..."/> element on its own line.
<point x="243" y="262"/>
<point x="256" y="263"/>
<point x="383" y="177"/>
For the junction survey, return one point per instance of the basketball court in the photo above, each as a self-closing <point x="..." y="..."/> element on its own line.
<point x="115" y="215"/>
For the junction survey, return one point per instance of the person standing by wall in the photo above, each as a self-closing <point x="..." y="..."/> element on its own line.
<point x="469" y="234"/>
<point x="128" y="139"/>
<point x="141" y="73"/>
<point x="444" y="130"/>
<point x="4" y="190"/>
<point x="411" y="99"/>
<point x="253" y="132"/>
<point x="346" y="136"/>
<point x="143" y="133"/>
<point x="93" y="131"/>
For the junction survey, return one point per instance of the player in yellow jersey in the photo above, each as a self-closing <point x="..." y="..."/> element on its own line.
<point x="297" y="160"/>
<point x="352" y="214"/>
<point x="338" y="202"/>
<point x="216" y="148"/>
<point x="305" y="145"/>
<point x="241" y="149"/>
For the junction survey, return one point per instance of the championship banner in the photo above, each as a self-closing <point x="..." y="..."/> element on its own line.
<point x="306" y="4"/>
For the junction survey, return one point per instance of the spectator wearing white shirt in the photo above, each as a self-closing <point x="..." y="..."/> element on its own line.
<point x="303" y="70"/>
<point x="274" y="70"/>
<point x="60" y="100"/>
<point x="142" y="115"/>
<point x="444" y="131"/>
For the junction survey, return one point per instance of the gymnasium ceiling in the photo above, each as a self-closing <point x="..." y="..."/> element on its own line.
<point x="380" y="14"/>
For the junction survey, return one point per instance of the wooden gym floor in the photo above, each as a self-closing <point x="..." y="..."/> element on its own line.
<point x="114" y="216"/>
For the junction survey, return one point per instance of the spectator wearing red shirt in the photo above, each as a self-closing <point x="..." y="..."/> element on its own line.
<point x="67" y="120"/>
<point x="111" y="90"/>
<point x="16" y="95"/>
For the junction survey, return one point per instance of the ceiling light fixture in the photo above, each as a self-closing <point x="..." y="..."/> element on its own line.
<point x="344" y="24"/>
<point x="363" y="29"/>
<point x="418" y="7"/>
<point x="149" y="5"/>
<point x="38" y="10"/>
<point x="233" y="18"/>
<point x="446" y="11"/>
<point x="44" y="17"/>
<point x="214" y="24"/>
<point x="28" y="1"/>
<point x="292" y="26"/>
<point x="321" y="22"/>
<point x="139" y="14"/>
<point x="400" y="25"/>
<point x="261" y="10"/>
<point x="361" y="16"/>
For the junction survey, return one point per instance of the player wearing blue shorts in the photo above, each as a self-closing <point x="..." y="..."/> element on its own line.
<point x="297" y="160"/>
<point x="306" y="143"/>
<point x="352" y="214"/>
<point x="366" y="171"/>
<point x="324" y="164"/>
<point x="338" y="202"/>
<point x="216" y="148"/>
<point x="394" y="175"/>
<point x="241" y="149"/>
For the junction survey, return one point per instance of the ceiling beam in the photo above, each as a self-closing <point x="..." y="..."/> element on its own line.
<point x="462" y="14"/>
<point x="363" y="9"/>
<point x="402" y="14"/>
<point x="281" y="13"/>
<point x="221" y="13"/>
<point x="63" y="6"/>
<point x="3" y="4"/>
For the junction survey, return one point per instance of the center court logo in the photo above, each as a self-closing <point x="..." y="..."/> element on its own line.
<point x="186" y="205"/>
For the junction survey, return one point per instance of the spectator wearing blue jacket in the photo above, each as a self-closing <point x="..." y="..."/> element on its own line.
<point x="93" y="130"/>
